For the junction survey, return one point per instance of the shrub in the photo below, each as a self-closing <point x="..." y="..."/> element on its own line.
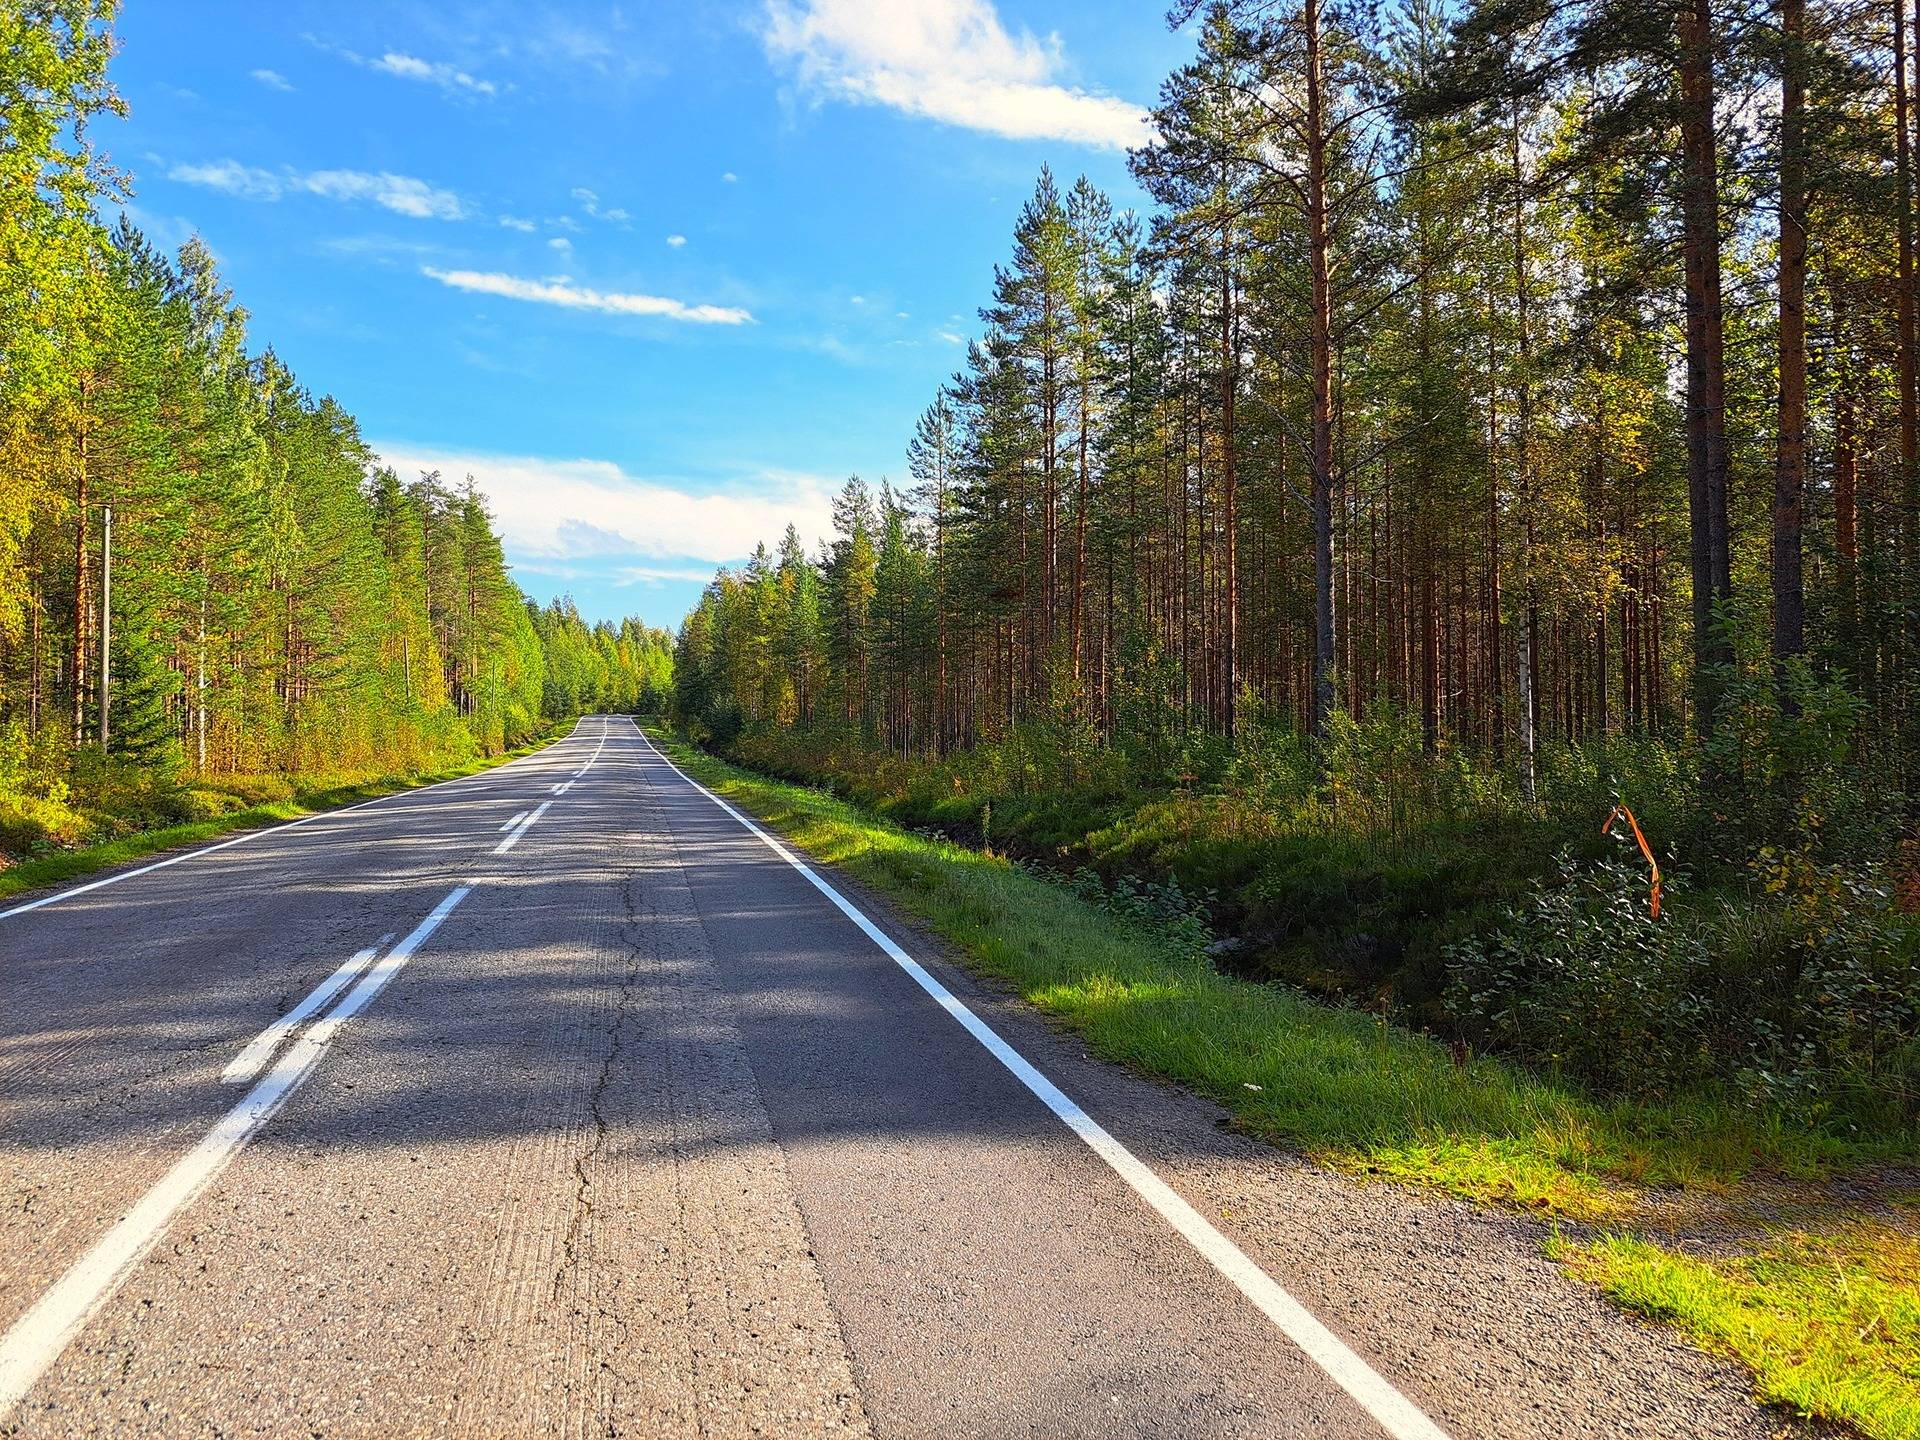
<point x="192" y="805"/>
<point x="37" y="809"/>
<point x="1805" y="998"/>
<point x="30" y="824"/>
<point x="1179" y="920"/>
<point x="1582" y="977"/>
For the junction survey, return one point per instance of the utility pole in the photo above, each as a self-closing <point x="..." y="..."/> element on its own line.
<point x="106" y="619"/>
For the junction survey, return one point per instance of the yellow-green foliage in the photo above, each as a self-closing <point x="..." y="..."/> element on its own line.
<point x="1829" y="1323"/>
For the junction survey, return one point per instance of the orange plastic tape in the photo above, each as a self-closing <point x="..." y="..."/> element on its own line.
<point x="1645" y="849"/>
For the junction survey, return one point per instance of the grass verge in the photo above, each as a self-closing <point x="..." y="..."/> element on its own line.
<point x="65" y="865"/>
<point x="1827" y="1322"/>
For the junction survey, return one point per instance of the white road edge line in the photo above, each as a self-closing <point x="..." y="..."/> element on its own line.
<point x="247" y="1063"/>
<point x="242" y="839"/>
<point x="1393" y="1411"/>
<point x="525" y="825"/>
<point x="38" y="1337"/>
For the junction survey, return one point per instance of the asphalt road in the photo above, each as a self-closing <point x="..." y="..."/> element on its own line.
<point x="558" y="1101"/>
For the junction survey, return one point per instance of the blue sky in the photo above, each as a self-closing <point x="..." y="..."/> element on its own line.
<point x="660" y="276"/>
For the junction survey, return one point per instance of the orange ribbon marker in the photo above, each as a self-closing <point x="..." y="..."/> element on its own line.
<point x="1645" y="849"/>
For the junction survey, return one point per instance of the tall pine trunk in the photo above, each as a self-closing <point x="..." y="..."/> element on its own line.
<point x="1230" y="519"/>
<point x="1790" y="467"/>
<point x="82" y="572"/>
<point x="1321" y="323"/>
<point x="1529" y="666"/>
<point x="1705" y="357"/>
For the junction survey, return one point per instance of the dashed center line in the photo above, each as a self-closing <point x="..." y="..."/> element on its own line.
<point x="513" y="836"/>
<point x="248" y="837"/>
<point x="39" y="1337"/>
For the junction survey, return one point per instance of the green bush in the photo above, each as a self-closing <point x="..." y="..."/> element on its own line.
<point x="38" y="811"/>
<point x="31" y="824"/>
<point x="1807" y="1005"/>
<point x="1581" y="977"/>
<point x="190" y="805"/>
<point x="1178" y="920"/>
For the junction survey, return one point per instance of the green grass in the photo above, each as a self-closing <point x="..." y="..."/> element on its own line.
<point x="1343" y="1086"/>
<point x="1829" y="1324"/>
<point x="65" y="865"/>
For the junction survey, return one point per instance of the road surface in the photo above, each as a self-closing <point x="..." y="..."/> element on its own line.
<point x="558" y="1100"/>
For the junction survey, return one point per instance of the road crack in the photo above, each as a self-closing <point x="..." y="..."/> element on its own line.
<point x="596" y="1100"/>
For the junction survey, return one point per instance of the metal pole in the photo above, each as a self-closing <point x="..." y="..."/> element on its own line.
<point x="106" y="619"/>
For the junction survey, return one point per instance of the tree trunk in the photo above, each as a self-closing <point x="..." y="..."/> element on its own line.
<point x="1846" y="470"/>
<point x="1318" y="246"/>
<point x="1523" y="485"/>
<point x="1705" y="358"/>
<point x="82" y="573"/>
<point x="1230" y="521"/>
<point x="941" y="722"/>
<point x="1904" y="350"/>
<point x="1790" y="467"/>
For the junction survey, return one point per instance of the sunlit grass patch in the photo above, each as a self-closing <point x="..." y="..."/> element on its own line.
<point x="1828" y="1323"/>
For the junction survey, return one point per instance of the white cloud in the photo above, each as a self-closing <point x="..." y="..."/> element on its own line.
<point x="730" y="178"/>
<point x="232" y="177"/>
<point x="401" y="65"/>
<point x="514" y="222"/>
<point x="401" y="194"/>
<point x="950" y="337"/>
<point x="562" y="244"/>
<point x="431" y="72"/>
<point x="676" y="241"/>
<point x="550" y="512"/>
<point x="564" y="293"/>
<point x="379" y="247"/>
<point x="590" y="204"/>
<point x="661" y="574"/>
<point x="948" y="60"/>
<point x="272" y="79"/>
